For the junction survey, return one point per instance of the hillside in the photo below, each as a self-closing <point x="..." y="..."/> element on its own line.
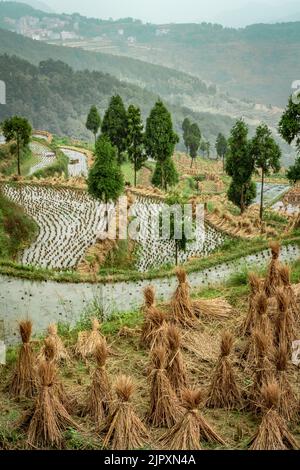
<point x="258" y="62"/>
<point x="177" y="88"/>
<point x="55" y="97"/>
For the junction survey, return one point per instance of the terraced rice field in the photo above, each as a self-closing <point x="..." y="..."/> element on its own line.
<point x="271" y="192"/>
<point x="77" y="162"/>
<point x="46" y="157"/>
<point x="69" y="222"/>
<point x="154" y="252"/>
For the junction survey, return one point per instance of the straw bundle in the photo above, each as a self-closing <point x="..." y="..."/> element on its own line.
<point x="87" y="342"/>
<point x="154" y="326"/>
<point x="176" y="369"/>
<point x="124" y="429"/>
<point x="263" y="370"/>
<point x="164" y="409"/>
<point x="48" y="419"/>
<point x="100" y="394"/>
<point x="288" y="403"/>
<point x="273" y="433"/>
<point x="273" y="281"/>
<point x="250" y="320"/>
<point x="210" y="308"/>
<point x="181" y="304"/>
<point x="60" y="352"/>
<point x="24" y="381"/>
<point x="224" y="391"/>
<point x="192" y="428"/>
<point x="285" y="330"/>
<point x="285" y="276"/>
<point x="262" y="324"/>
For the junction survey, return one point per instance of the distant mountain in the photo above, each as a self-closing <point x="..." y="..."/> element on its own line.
<point x="257" y="63"/>
<point x="254" y="13"/>
<point x="36" y="4"/>
<point x="55" y="97"/>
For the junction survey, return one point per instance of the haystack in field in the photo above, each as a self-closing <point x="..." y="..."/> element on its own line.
<point x="48" y="419"/>
<point x="285" y="329"/>
<point x="88" y="341"/>
<point x="250" y="320"/>
<point x="99" y="396"/>
<point x="273" y="280"/>
<point x="164" y="410"/>
<point x="124" y="430"/>
<point x="224" y="391"/>
<point x="212" y="308"/>
<point x="285" y="276"/>
<point x="182" y="309"/>
<point x="24" y="380"/>
<point x="155" y="322"/>
<point x="176" y="369"/>
<point x="264" y="325"/>
<point x="263" y="371"/>
<point x="192" y="428"/>
<point x="273" y="433"/>
<point x="60" y="352"/>
<point x="288" y="402"/>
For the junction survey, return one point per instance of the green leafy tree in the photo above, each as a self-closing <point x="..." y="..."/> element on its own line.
<point x="266" y="154"/>
<point x="105" y="179"/>
<point x="114" y="125"/>
<point x="221" y="147"/>
<point x="17" y="129"/>
<point x="237" y="192"/>
<point x="93" y="121"/>
<point x="160" y="142"/>
<point x="177" y="221"/>
<point x="240" y="166"/>
<point x="289" y="125"/>
<point x="186" y="128"/>
<point x="293" y="173"/>
<point x="203" y="147"/>
<point x="135" y="139"/>
<point x="194" y="140"/>
<point x="165" y="171"/>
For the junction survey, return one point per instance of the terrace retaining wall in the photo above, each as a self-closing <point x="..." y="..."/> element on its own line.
<point x="47" y="301"/>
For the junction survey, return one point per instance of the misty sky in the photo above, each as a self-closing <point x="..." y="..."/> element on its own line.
<point x="164" y="11"/>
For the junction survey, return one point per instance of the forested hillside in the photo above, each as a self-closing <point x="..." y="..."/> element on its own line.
<point x="258" y="62"/>
<point x="55" y="97"/>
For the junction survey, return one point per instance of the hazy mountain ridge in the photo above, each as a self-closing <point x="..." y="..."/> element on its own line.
<point x="258" y="62"/>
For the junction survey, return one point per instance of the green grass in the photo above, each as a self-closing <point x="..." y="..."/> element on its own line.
<point x="128" y="173"/>
<point x="27" y="160"/>
<point x="16" y="229"/>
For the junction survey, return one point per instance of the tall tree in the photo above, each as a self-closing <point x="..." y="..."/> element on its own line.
<point x="186" y="128"/>
<point x="93" y="121"/>
<point x="178" y="222"/>
<point x="165" y="171"/>
<point x="160" y="141"/>
<point x="194" y="140"/>
<point x="105" y="179"/>
<point x="203" y="147"/>
<point x="289" y="125"/>
<point x="266" y="154"/>
<point x="135" y="139"/>
<point x="114" y="124"/>
<point x="289" y="129"/>
<point x="221" y="147"/>
<point x="240" y="166"/>
<point x="19" y="130"/>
